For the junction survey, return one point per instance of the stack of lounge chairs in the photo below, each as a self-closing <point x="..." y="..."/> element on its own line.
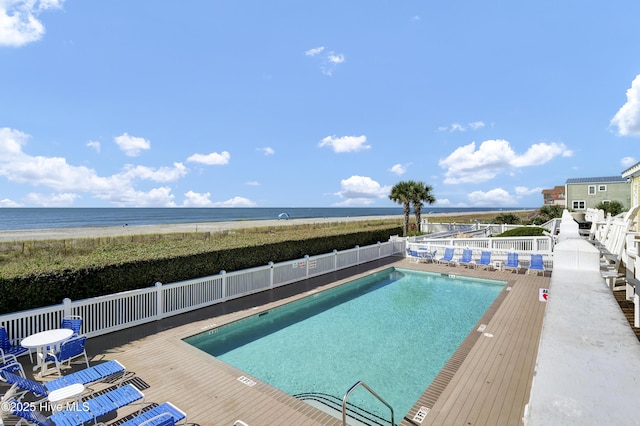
<point x="26" y="396"/>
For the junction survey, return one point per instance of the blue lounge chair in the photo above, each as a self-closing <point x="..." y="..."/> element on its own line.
<point x="412" y="255"/>
<point x="536" y="264"/>
<point x="485" y="260"/>
<point x="74" y="322"/>
<point x="448" y="256"/>
<point x="77" y="415"/>
<point x="512" y="261"/>
<point x="7" y="347"/>
<point x="85" y="377"/>
<point x="466" y="258"/>
<point x="11" y="365"/>
<point x="160" y="415"/>
<point x="69" y="350"/>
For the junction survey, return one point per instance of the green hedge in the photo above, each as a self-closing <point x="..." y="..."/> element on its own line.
<point x="50" y="288"/>
<point x="525" y="231"/>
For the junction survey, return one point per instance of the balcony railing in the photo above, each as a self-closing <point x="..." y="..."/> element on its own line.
<point x="118" y="311"/>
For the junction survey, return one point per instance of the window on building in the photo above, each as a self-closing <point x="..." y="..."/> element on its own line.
<point x="606" y="201"/>
<point x="591" y="190"/>
<point x="579" y="205"/>
<point x="602" y="188"/>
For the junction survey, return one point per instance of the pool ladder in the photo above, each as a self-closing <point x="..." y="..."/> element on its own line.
<point x="372" y="392"/>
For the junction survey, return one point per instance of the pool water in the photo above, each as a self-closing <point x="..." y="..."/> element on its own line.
<point x="394" y="330"/>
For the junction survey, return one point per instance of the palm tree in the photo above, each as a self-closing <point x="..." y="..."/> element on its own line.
<point x="401" y="193"/>
<point x="421" y="192"/>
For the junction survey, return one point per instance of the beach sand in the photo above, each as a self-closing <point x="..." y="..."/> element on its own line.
<point x="115" y="231"/>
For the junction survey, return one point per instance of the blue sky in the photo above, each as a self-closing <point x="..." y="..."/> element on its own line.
<point x="312" y="104"/>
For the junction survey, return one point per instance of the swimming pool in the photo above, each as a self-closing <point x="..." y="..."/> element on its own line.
<point x="394" y="330"/>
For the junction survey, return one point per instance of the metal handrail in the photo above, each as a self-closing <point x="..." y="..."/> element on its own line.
<point x="351" y="389"/>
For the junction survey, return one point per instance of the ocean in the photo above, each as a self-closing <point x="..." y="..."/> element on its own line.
<point x="47" y="218"/>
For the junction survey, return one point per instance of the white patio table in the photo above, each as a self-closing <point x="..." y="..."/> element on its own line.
<point x="42" y="340"/>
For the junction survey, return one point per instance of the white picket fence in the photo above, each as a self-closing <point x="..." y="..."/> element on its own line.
<point x="119" y="311"/>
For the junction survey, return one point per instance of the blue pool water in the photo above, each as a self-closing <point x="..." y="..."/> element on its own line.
<point x="394" y="330"/>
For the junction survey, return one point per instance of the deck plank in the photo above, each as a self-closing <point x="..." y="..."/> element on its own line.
<point x="492" y="385"/>
<point x="486" y="382"/>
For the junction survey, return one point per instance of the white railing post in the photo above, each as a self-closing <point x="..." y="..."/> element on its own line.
<point x="223" y="273"/>
<point x="161" y="304"/>
<point x="306" y="263"/>
<point x="159" y="301"/>
<point x="271" y="271"/>
<point x="66" y="306"/>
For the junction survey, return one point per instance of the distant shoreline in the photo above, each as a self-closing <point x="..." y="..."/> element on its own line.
<point x="116" y="231"/>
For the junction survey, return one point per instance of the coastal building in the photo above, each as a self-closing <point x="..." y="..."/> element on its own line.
<point x="555" y="196"/>
<point x="584" y="193"/>
<point x="632" y="176"/>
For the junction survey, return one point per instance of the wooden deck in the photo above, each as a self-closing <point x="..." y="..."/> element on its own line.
<point x="486" y="382"/>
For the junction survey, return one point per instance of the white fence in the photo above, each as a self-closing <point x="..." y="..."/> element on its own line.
<point x="114" y="312"/>
<point x="499" y="247"/>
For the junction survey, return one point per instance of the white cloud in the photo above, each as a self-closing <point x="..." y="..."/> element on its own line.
<point x="235" y="202"/>
<point x="628" y="161"/>
<point x="53" y="172"/>
<point x="160" y="174"/>
<point x="493" y="157"/>
<point x="94" y="144"/>
<point x="132" y="145"/>
<point x="329" y="60"/>
<point x="399" y="169"/>
<point x="267" y="150"/>
<point x="627" y="119"/>
<point x="19" y="24"/>
<point x="194" y="199"/>
<point x="445" y="202"/>
<point x="494" y="197"/>
<point x="457" y="127"/>
<point x="253" y="183"/>
<point x="6" y="202"/>
<point x="11" y="143"/>
<point x="360" y="190"/>
<point x="156" y="197"/>
<point x="213" y="159"/>
<point x="523" y="190"/>
<point x="68" y="181"/>
<point x="52" y="200"/>
<point x="335" y="59"/>
<point x="541" y="153"/>
<point x="314" y="51"/>
<point x="345" y="143"/>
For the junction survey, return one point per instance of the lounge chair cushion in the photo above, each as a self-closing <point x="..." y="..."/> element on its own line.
<point x="165" y="413"/>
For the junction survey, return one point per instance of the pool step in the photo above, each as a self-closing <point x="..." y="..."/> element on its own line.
<point x="332" y="405"/>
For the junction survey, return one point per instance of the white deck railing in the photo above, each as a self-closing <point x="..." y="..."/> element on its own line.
<point x="118" y="311"/>
<point x="499" y="247"/>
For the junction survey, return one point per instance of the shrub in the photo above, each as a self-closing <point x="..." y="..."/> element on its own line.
<point x="112" y="269"/>
<point x="525" y="231"/>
